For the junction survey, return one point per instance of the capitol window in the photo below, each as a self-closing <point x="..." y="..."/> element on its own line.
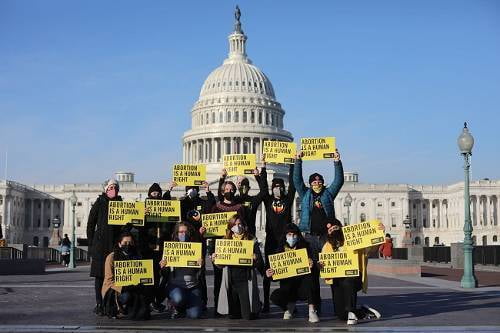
<point x="220" y="117"/>
<point x="260" y="117"/>
<point x="252" y="117"/>
<point x="228" y="116"/>
<point x="267" y="118"/>
<point x="236" y="117"/>
<point x="236" y="83"/>
<point x="213" y="117"/>
<point x="244" y="116"/>
<point x="362" y="204"/>
<point x="243" y="83"/>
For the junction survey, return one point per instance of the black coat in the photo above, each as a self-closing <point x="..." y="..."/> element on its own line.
<point x="277" y="217"/>
<point x="101" y="236"/>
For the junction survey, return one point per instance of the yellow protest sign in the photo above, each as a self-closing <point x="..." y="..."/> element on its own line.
<point x="163" y="210"/>
<point x="123" y="212"/>
<point x="216" y="223"/>
<point x="239" y="164"/>
<point x="339" y="264"/>
<point x="317" y="148"/>
<point x="362" y="235"/>
<point x="133" y="272"/>
<point x="289" y="264"/>
<point x="280" y="152"/>
<point x="189" y="174"/>
<point x="182" y="254"/>
<point x="234" y="252"/>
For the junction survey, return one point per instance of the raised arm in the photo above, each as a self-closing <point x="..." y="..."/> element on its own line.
<point x="291" y="185"/>
<point x="222" y="179"/>
<point x="298" y="181"/>
<point x="335" y="187"/>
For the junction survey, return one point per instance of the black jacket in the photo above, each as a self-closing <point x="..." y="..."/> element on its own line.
<point x="276" y="217"/>
<point x="100" y="235"/>
<point x="250" y="204"/>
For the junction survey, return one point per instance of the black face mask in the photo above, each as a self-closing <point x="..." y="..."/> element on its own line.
<point x="127" y="249"/>
<point x="229" y="196"/>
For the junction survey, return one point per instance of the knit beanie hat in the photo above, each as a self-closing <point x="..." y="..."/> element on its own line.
<point x="110" y="182"/>
<point x="154" y="188"/>
<point x="316" y="176"/>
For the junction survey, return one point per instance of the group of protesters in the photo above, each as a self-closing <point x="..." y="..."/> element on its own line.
<point x="236" y="288"/>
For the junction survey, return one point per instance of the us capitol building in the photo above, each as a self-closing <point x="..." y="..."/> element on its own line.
<point x="236" y="111"/>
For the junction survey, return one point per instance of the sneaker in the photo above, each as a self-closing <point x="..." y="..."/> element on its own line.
<point x="287" y="315"/>
<point x="176" y="314"/>
<point x="157" y="307"/>
<point x="313" y="316"/>
<point x="352" y="319"/>
<point x="371" y="313"/>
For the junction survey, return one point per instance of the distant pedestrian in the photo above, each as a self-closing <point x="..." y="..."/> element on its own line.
<point x="65" y="250"/>
<point x="385" y="250"/>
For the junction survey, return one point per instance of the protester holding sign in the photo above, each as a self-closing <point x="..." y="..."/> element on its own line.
<point x="317" y="207"/>
<point x="278" y="206"/>
<point x="183" y="287"/>
<point x="250" y="203"/>
<point x="129" y="302"/>
<point x="295" y="288"/>
<point x="192" y="200"/>
<point x="101" y="236"/>
<point x="151" y="237"/>
<point x="239" y="291"/>
<point x="345" y="289"/>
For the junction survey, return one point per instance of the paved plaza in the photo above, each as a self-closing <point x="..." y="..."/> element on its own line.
<point x="62" y="301"/>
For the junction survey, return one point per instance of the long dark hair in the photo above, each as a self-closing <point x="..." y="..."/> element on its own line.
<point x="336" y="238"/>
<point x="232" y="222"/>
<point x="118" y="253"/>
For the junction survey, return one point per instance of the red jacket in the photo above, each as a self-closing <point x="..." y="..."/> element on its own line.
<point x="386" y="248"/>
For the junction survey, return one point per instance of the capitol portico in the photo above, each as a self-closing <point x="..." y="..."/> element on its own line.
<point x="236" y="111"/>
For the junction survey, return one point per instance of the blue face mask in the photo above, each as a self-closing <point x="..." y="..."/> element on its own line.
<point x="182" y="237"/>
<point x="291" y="240"/>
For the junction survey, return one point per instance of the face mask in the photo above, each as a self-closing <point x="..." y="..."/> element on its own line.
<point x="244" y="189"/>
<point x="182" y="237"/>
<point x="111" y="193"/>
<point x="127" y="249"/>
<point x="317" y="188"/>
<point x="277" y="192"/>
<point x="228" y="196"/>
<point x="192" y="193"/>
<point x="291" y="240"/>
<point x="237" y="229"/>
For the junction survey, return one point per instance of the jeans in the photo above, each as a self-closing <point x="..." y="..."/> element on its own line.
<point x="188" y="300"/>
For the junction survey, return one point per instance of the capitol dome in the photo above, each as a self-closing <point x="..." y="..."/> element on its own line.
<point x="236" y="111"/>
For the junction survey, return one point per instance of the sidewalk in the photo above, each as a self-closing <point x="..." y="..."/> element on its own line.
<point x="64" y="299"/>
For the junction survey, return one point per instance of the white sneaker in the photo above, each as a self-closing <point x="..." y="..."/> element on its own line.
<point x="287" y="315"/>
<point x="313" y="316"/>
<point x="371" y="313"/>
<point x="352" y="319"/>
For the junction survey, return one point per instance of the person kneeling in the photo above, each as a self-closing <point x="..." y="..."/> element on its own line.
<point x="123" y="302"/>
<point x="345" y="289"/>
<point x="239" y="292"/>
<point x="294" y="288"/>
<point x="183" y="288"/>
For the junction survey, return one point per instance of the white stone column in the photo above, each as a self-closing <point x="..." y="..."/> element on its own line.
<point x="251" y="150"/>
<point x="373" y="210"/>
<point x="241" y="145"/>
<point x="421" y="217"/>
<point x="32" y="214"/>
<point x="42" y="217"/>
<point x="388" y="220"/>
<point x="354" y="217"/>
<point x="488" y="212"/>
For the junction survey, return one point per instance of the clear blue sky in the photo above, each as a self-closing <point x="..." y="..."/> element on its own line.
<point x="91" y="87"/>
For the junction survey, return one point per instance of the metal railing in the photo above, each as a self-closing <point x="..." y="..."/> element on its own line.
<point x="400" y="253"/>
<point x="487" y="255"/>
<point x="48" y="254"/>
<point x="10" y="253"/>
<point x="440" y="254"/>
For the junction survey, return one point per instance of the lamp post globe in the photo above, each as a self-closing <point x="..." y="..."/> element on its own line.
<point x="72" y="262"/>
<point x="465" y="143"/>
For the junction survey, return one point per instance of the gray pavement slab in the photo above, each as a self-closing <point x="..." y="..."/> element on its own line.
<point x="64" y="300"/>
